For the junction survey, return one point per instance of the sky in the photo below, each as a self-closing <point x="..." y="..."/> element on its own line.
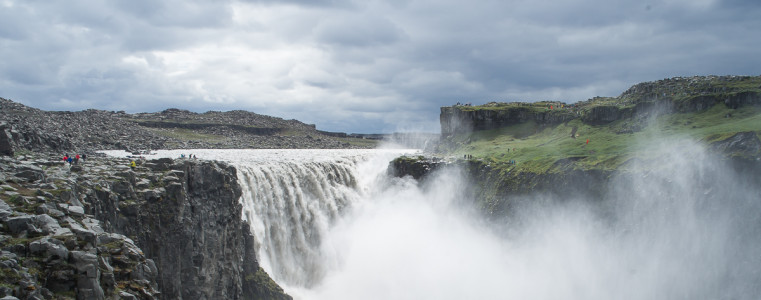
<point x="360" y="66"/>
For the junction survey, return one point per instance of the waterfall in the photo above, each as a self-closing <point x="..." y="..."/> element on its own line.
<point x="328" y="226"/>
<point x="292" y="204"/>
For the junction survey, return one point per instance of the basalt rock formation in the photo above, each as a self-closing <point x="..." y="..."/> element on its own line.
<point x="99" y="229"/>
<point x="53" y="248"/>
<point x="680" y="94"/>
<point x="559" y="164"/>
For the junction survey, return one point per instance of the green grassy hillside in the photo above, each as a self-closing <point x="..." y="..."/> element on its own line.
<point x="548" y="148"/>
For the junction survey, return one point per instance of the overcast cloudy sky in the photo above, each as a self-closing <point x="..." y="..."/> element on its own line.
<point x="360" y="66"/>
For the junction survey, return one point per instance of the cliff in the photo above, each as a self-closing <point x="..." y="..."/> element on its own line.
<point x="569" y="150"/>
<point x="675" y="95"/>
<point x="167" y="229"/>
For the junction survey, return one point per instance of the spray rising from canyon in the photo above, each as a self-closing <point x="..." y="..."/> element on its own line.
<point x="333" y="225"/>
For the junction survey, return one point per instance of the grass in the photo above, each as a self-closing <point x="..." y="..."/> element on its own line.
<point x="538" y="149"/>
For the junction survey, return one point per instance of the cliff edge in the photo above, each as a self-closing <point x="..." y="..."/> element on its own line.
<point x="99" y="229"/>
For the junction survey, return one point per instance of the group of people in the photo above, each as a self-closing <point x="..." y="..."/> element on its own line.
<point x="189" y="156"/>
<point x="73" y="160"/>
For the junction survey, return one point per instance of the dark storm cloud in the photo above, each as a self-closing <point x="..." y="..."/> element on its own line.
<point x="360" y="66"/>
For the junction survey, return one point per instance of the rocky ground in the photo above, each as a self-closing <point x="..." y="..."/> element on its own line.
<point x="102" y="230"/>
<point x="52" y="248"/>
<point x="31" y="129"/>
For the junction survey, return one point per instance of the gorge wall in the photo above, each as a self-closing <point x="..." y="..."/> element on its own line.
<point x="167" y="229"/>
<point x="187" y="217"/>
<point x="567" y="169"/>
<point x="675" y="95"/>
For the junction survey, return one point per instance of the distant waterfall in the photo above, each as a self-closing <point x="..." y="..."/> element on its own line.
<point x="290" y="206"/>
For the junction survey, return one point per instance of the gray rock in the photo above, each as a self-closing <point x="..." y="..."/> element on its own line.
<point x="11" y="194"/>
<point x="88" y="275"/>
<point x="128" y="174"/>
<point x="125" y="296"/>
<point x="106" y="238"/>
<point x="84" y="234"/>
<point x="31" y="173"/>
<point x="745" y="144"/>
<point x="153" y="195"/>
<point x="70" y="198"/>
<point x="122" y="187"/>
<point x="143" y="183"/>
<point x="5" y="210"/>
<point x="50" y="248"/>
<point x="48" y="225"/>
<point x="170" y="179"/>
<point x="76" y="210"/>
<point x="6" y="139"/>
<point x="22" y="224"/>
<point x="104" y="265"/>
<point x="55" y="213"/>
<point x="145" y="271"/>
<point x="93" y="225"/>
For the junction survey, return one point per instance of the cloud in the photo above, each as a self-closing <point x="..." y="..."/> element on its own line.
<point x="360" y="66"/>
<point x="354" y="30"/>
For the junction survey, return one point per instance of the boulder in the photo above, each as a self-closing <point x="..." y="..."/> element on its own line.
<point x="5" y="210"/>
<point x="77" y="211"/>
<point x="49" y="248"/>
<point x="31" y="173"/>
<point x="48" y="225"/>
<point x="84" y="234"/>
<point x="22" y="225"/>
<point x="6" y="139"/>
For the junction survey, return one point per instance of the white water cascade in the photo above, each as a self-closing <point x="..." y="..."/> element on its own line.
<point x="291" y="205"/>
<point x="330" y="225"/>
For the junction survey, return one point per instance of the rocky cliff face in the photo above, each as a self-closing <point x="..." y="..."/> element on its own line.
<point x="183" y="215"/>
<point x="52" y="248"/>
<point x="187" y="217"/>
<point x="496" y="191"/>
<point x="682" y="95"/>
<point x="464" y="119"/>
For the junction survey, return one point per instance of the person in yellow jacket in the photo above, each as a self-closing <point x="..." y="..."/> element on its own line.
<point x="132" y="165"/>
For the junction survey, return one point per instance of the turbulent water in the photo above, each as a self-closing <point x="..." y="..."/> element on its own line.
<point x="330" y="224"/>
